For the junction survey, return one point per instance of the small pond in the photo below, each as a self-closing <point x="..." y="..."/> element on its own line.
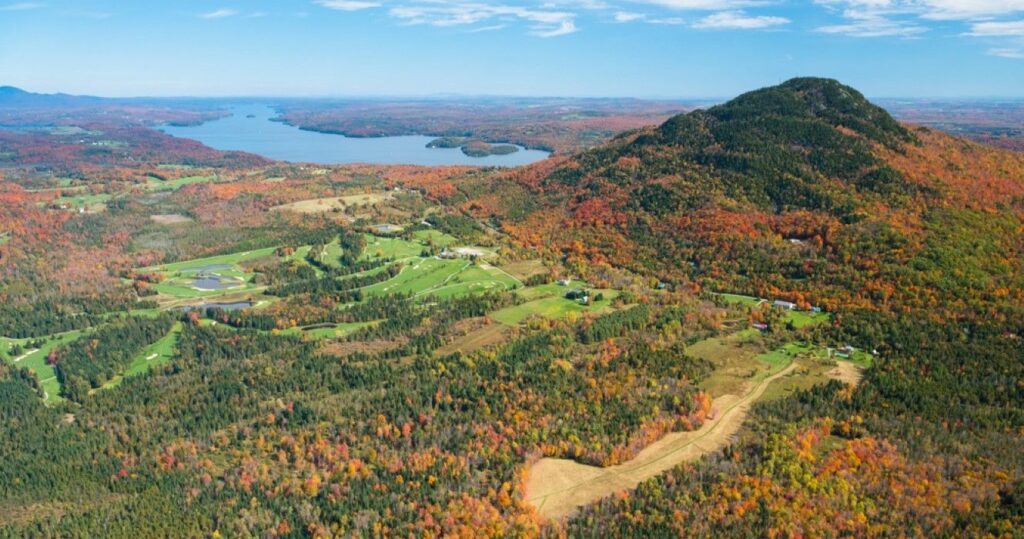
<point x="215" y="282"/>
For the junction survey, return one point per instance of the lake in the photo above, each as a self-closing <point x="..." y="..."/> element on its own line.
<point x="282" y="142"/>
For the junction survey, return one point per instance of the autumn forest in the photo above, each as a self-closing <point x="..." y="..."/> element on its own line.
<point x="789" y="314"/>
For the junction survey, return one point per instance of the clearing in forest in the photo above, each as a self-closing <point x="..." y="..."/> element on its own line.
<point x="320" y="205"/>
<point x="743" y="375"/>
<point x="549" y="301"/>
<point x="34" y="359"/>
<point x="158" y="353"/>
<point x="557" y="487"/>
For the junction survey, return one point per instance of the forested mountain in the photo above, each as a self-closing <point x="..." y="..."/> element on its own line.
<point x="803" y="190"/>
<point x="796" y="145"/>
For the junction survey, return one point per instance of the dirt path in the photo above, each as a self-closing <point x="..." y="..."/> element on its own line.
<point x="25" y="355"/>
<point x="557" y="487"/>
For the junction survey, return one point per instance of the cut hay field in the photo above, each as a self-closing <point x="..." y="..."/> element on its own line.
<point x="320" y="205"/>
<point x="156" y="184"/>
<point x="170" y="219"/>
<point x="328" y="331"/>
<point x="481" y="336"/>
<point x="524" y="269"/>
<point x="737" y="298"/>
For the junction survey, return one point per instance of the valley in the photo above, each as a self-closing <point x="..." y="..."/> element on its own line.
<point x="785" y="315"/>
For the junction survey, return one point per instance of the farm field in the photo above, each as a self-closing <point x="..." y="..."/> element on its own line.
<point x="548" y="301"/>
<point x="525" y="269"/>
<point x="170" y="219"/>
<point x="737" y="298"/>
<point x="475" y="339"/>
<point x="90" y="203"/>
<point x="320" y="205"/>
<point x="75" y="199"/>
<point x="802" y="319"/>
<point x="156" y="184"/>
<point x="329" y="331"/>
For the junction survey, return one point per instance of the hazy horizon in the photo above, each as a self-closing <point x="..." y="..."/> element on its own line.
<point x="681" y="99"/>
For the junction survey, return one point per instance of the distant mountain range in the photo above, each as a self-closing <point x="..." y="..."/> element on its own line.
<point x="11" y="96"/>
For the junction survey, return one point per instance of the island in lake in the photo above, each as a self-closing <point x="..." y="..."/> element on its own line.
<point x="473" y="147"/>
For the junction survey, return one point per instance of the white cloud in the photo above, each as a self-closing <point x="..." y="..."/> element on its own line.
<point x="545" y="22"/>
<point x="347" y="5"/>
<point x="969" y="9"/>
<point x="872" y="23"/>
<point x="627" y="16"/>
<point x="492" y="28"/>
<point x="1014" y="54"/>
<point x="21" y="6"/>
<point x="966" y="10"/>
<point x="666" y="20"/>
<point x="738" y="20"/>
<point x="998" y="29"/>
<point x="564" y="28"/>
<point x="704" y="5"/>
<point x="220" y="14"/>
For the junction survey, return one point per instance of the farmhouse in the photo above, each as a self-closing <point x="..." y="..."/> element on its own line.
<point x="845" y="351"/>
<point x="787" y="305"/>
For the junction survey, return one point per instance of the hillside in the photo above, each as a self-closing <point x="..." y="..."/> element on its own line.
<point x="804" y="190"/>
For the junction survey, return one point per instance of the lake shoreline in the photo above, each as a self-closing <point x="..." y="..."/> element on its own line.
<point x="258" y="129"/>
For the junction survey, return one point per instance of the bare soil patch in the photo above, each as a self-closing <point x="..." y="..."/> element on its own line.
<point x="473" y="334"/>
<point x="847" y="372"/>
<point x="525" y="269"/>
<point x="345" y="348"/>
<point x="557" y="487"/>
<point x="171" y="219"/>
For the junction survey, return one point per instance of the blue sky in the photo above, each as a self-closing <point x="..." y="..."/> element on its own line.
<point x="642" y="48"/>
